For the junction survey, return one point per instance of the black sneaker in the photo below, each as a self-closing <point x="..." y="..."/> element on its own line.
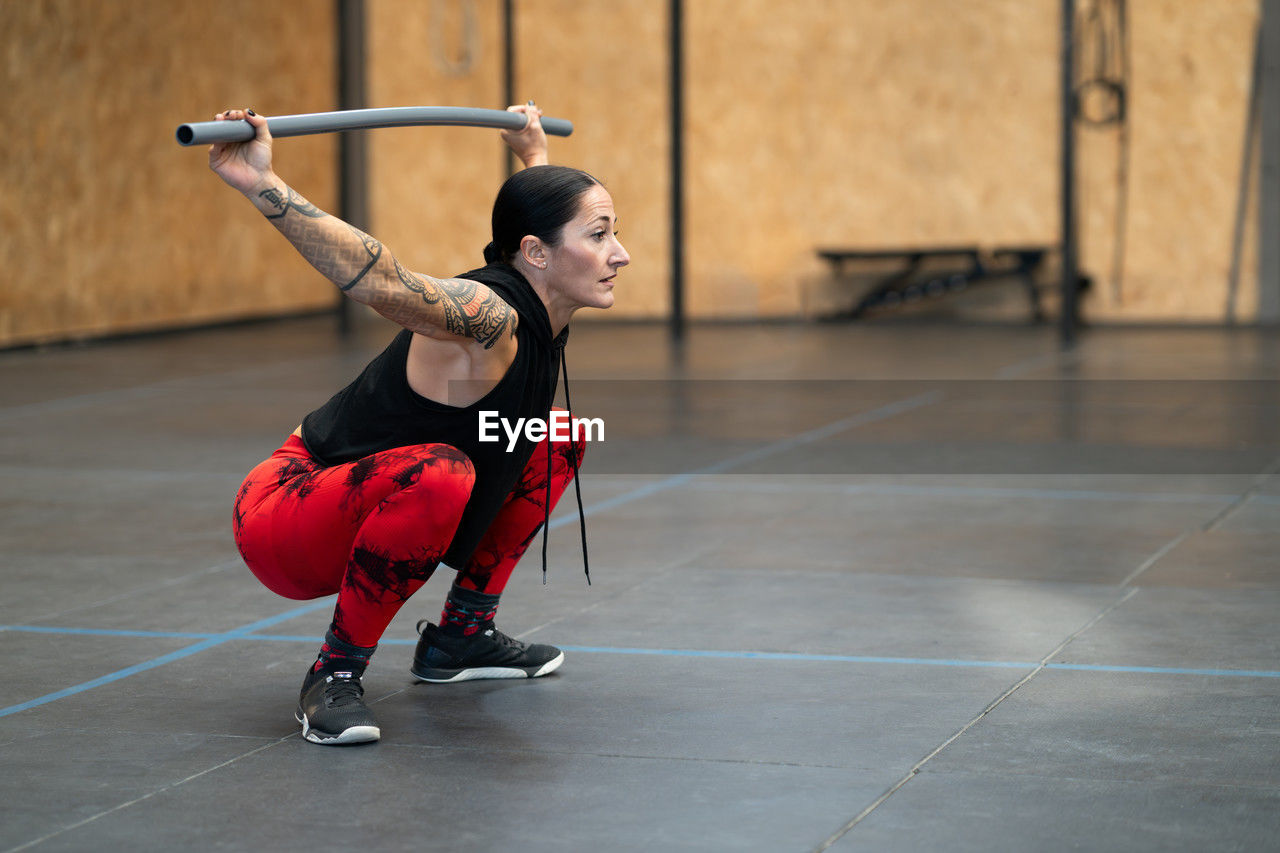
<point x="331" y="711"/>
<point x="488" y="653"/>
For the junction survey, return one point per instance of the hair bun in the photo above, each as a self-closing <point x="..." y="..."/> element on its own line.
<point x="491" y="253"/>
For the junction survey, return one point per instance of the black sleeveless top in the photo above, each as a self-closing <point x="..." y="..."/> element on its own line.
<point x="379" y="411"/>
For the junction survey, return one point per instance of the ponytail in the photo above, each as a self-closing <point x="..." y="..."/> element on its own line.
<point x="538" y="201"/>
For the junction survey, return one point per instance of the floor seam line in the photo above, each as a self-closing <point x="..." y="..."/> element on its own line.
<point x="915" y="770"/>
<point x="1083" y="495"/>
<point x="493" y="750"/>
<point x="1028" y="365"/>
<point x="59" y="405"/>
<point x="1122" y="780"/>
<point x="1155" y="558"/>
<point x="162" y="660"/>
<point x="1243" y="499"/>
<point x="879" y="413"/>
<point x="1258" y="481"/>
<point x="663" y="574"/>
<point x="210" y="639"/>
<point x="164" y="584"/>
<point x="147" y="796"/>
<point x="888" y="410"/>
<point x="140" y="474"/>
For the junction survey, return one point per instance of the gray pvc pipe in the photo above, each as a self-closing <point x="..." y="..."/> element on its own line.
<point x="206" y="132"/>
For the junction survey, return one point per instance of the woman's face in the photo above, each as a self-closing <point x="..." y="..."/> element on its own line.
<point x="583" y="266"/>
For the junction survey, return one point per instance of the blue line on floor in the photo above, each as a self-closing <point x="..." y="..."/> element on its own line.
<point x="242" y="634"/>
<point x="1097" y="667"/>
<point x="795" y="656"/>
<point x="211" y="641"/>
<point x="1001" y="492"/>
<point x="111" y="632"/>
<point x="1079" y="667"/>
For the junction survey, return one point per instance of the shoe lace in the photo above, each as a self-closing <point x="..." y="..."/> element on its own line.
<point x="500" y="638"/>
<point x="343" y="691"/>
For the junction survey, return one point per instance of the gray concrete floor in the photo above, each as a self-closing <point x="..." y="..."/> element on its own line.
<point x="856" y="587"/>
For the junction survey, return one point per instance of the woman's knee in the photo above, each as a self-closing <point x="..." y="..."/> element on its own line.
<point x="440" y="475"/>
<point x="414" y="522"/>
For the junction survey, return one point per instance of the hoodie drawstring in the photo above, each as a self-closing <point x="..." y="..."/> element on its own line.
<point x="573" y="461"/>
<point x="577" y="486"/>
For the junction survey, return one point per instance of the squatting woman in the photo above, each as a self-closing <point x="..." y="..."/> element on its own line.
<point x="388" y="479"/>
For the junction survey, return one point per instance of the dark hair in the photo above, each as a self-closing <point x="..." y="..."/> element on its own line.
<point x="540" y="201"/>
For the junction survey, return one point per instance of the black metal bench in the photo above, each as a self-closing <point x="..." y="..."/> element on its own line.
<point x="961" y="267"/>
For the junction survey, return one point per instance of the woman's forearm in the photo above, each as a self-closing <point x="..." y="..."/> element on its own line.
<point x="341" y="252"/>
<point x="361" y="268"/>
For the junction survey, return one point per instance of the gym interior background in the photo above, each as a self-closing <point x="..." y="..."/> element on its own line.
<point x="926" y="579"/>
<point x="850" y="123"/>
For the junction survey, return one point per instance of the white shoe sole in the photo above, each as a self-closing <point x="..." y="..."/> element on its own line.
<point x="480" y="672"/>
<point x="354" y="734"/>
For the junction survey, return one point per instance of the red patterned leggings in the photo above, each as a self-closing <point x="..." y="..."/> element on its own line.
<point x="374" y="530"/>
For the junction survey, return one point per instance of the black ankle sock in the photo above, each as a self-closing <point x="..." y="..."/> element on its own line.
<point x="340" y="656"/>
<point x="466" y="610"/>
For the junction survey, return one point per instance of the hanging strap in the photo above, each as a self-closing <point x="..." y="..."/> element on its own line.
<point x="577" y="486"/>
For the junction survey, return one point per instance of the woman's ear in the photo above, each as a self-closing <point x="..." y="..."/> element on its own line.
<point x="534" y="252"/>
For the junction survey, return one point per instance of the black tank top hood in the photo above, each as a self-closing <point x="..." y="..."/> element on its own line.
<point x="378" y="411"/>
<point x="519" y="293"/>
<point x="515" y="290"/>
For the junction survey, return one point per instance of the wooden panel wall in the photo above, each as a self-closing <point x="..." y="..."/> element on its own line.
<point x="605" y="65"/>
<point x="851" y="122"/>
<point x="861" y="123"/>
<point x="1190" y="88"/>
<point x="433" y="188"/>
<point x="885" y="124"/>
<point x="106" y="224"/>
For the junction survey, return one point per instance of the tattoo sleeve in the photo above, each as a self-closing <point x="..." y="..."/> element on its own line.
<point x="467" y="309"/>
<point x="342" y="253"/>
<point x="351" y="259"/>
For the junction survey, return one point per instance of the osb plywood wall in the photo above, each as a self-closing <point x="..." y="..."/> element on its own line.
<point x="609" y="72"/>
<point x="1191" y="65"/>
<point x="861" y="124"/>
<point x="870" y="124"/>
<point x="845" y="122"/>
<point x="432" y="189"/>
<point x="841" y="123"/>
<point x="106" y="224"/>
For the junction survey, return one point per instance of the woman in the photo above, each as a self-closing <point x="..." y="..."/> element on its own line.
<point x="390" y="478"/>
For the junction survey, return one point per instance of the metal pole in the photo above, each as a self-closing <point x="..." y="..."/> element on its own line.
<point x="353" y="155"/>
<point x="509" y="68"/>
<point x="1246" y="178"/>
<point x="676" y="23"/>
<point x="204" y="132"/>
<point x="1070" y="249"/>
<point x="1269" y="172"/>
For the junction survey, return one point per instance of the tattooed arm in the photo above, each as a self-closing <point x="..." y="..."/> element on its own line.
<point x="355" y="262"/>
<point x="363" y="269"/>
